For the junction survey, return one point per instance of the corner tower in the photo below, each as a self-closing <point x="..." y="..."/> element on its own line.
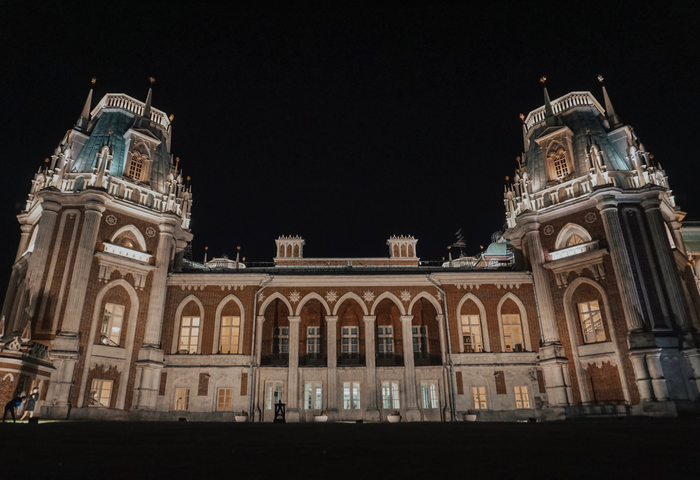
<point x="106" y="219"/>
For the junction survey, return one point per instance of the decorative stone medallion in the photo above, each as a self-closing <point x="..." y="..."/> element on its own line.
<point x="548" y="230"/>
<point x="590" y="217"/>
<point x="111" y="220"/>
<point x="151" y="232"/>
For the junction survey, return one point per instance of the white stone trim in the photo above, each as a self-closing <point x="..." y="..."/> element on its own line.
<point x="309" y="296"/>
<point x="430" y="298"/>
<point x="355" y="297"/>
<point x="569" y="230"/>
<point x="273" y="296"/>
<point x="217" y="320"/>
<point x="390" y="296"/>
<point x="137" y="233"/>
<point x="523" y="321"/>
<point x="178" y="322"/>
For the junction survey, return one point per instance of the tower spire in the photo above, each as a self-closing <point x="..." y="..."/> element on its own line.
<point x="549" y="117"/>
<point x="84" y="119"/>
<point x="609" y="110"/>
<point x="147" y="107"/>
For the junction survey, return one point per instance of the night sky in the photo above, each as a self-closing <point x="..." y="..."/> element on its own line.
<point x="344" y="125"/>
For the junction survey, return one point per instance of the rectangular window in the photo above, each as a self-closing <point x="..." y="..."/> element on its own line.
<point x="429" y="395"/>
<point x="390" y="396"/>
<point x="420" y="339"/>
<point x="313" y="396"/>
<point x="512" y="333"/>
<point x="385" y="340"/>
<point x="189" y="335"/>
<point x="350" y="344"/>
<point x="230" y="327"/>
<point x="182" y="399"/>
<point x="314" y="341"/>
<point x="275" y="390"/>
<point x="224" y="398"/>
<point x="471" y="334"/>
<point x="351" y="395"/>
<point x="521" y="398"/>
<point x="111" y="330"/>
<point x="100" y="393"/>
<point x="479" y="395"/>
<point x="591" y="322"/>
<point x="280" y="340"/>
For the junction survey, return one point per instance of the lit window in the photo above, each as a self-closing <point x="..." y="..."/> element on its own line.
<point x="136" y="166"/>
<point x="420" y="339"/>
<point x="224" y="398"/>
<point x="182" y="399"/>
<point x="574" y="240"/>
<point x="479" y="395"/>
<point x="230" y="327"/>
<point x="313" y="395"/>
<point x="351" y="395"/>
<point x="385" y="340"/>
<point x="521" y="398"/>
<point x="111" y="330"/>
<point x="274" y="392"/>
<point x="471" y="334"/>
<point x="591" y="322"/>
<point x="350" y="344"/>
<point x="429" y="395"/>
<point x="558" y="160"/>
<point x="512" y="333"/>
<point x="280" y="340"/>
<point x="390" y="396"/>
<point x="313" y="341"/>
<point x="189" y="335"/>
<point x="100" y="393"/>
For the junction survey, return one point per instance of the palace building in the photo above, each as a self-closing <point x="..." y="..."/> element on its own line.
<point x="586" y="304"/>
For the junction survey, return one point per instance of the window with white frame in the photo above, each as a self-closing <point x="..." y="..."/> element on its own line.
<point x="273" y="395"/>
<point x="429" y="395"/>
<point x="280" y="340"/>
<point x="224" y="399"/>
<point x="479" y="396"/>
<point x="350" y="343"/>
<point x="230" y="328"/>
<point x="111" y="330"/>
<point x="558" y="160"/>
<point x="390" y="396"/>
<point x="100" y="393"/>
<point x="420" y="339"/>
<point x="189" y="335"/>
<point x="591" y="322"/>
<point x="574" y="240"/>
<point x="136" y="165"/>
<point x="522" y="400"/>
<point x="182" y="399"/>
<point x="314" y="341"/>
<point x="512" y="333"/>
<point x="351" y="395"/>
<point x="471" y="334"/>
<point x="385" y="340"/>
<point x="313" y="396"/>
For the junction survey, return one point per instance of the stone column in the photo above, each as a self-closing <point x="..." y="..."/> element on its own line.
<point x="669" y="272"/>
<point x="631" y="304"/>
<point x="656" y="371"/>
<point x="371" y="412"/>
<point x="293" y="371"/>
<point x="256" y="384"/>
<point x="258" y="339"/>
<point x="332" y="361"/>
<point x="443" y="338"/>
<point x="693" y="356"/>
<point x="642" y="376"/>
<point x="24" y="239"/>
<point x="412" y="412"/>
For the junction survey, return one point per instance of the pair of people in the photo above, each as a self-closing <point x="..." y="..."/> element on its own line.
<point x="16" y="402"/>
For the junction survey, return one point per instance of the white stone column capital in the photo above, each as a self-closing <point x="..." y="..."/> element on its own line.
<point x="406" y="319"/>
<point x="294" y="319"/>
<point x="369" y="320"/>
<point x="331" y="319"/>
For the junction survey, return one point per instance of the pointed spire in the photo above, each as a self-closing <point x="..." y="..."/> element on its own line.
<point x="84" y="119"/>
<point x="147" y="107"/>
<point x="609" y="110"/>
<point x="548" y="112"/>
<point x="526" y="142"/>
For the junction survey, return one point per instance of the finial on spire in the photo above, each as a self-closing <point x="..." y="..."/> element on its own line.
<point x="600" y="78"/>
<point x="543" y="79"/>
<point x="85" y="114"/>
<point x="171" y="117"/>
<point x="522" y="117"/>
<point x="610" y="114"/>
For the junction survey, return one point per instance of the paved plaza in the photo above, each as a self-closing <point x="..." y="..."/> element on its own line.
<point x="623" y="448"/>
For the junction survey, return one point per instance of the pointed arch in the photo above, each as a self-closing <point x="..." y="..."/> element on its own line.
<point x="390" y="296"/>
<point x="129" y="343"/>
<point x="569" y="230"/>
<point x="482" y="320"/>
<point x="133" y="230"/>
<point x="178" y="321"/>
<point x="430" y="298"/>
<point x="571" y="319"/>
<point x="268" y="301"/>
<point x="217" y="322"/>
<point x="308" y="297"/>
<point x="355" y="297"/>
<point x="523" y="321"/>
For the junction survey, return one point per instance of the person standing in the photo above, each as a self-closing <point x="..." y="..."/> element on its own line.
<point x="11" y="406"/>
<point x="31" y="404"/>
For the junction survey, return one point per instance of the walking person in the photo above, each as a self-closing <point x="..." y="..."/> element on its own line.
<point x="31" y="404"/>
<point x="11" y="406"/>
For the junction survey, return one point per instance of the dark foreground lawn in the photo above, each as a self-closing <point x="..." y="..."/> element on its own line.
<point x="626" y="448"/>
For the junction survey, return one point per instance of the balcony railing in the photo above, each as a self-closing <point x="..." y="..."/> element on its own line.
<point x="351" y="359"/>
<point x="389" y="360"/>
<point x="426" y="359"/>
<point x="275" y="360"/>
<point x="312" y="360"/>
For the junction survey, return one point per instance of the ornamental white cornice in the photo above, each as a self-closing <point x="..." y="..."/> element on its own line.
<point x="496" y="360"/>
<point x="110" y="262"/>
<point x="482" y="278"/>
<point x="591" y="260"/>
<point x="207" y="360"/>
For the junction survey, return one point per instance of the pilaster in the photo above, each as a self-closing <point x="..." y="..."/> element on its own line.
<point x="332" y="370"/>
<point x="371" y="412"/>
<point x="293" y="370"/>
<point x="412" y="412"/>
<point x="156" y="301"/>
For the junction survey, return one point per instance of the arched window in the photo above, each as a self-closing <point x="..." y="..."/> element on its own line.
<point x="512" y="333"/>
<point x="136" y="165"/>
<point x="471" y="334"/>
<point x="572" y="235"/>
<point x="574" y="240"/>
<point x="591" y="322"/>
<point x="189" y="335"/>
<point x="230" y="328"/>
<point x="558" y="161"/>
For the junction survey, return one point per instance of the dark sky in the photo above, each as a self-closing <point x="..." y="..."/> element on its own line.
<point x="345" y="125"/>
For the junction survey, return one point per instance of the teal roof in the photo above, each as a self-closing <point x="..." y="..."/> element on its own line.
<point x="118" y="123"/>
<point x="691" y="238"/>
<point x="499" y="248"/>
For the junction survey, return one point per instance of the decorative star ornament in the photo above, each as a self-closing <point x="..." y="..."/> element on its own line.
<point x="331" y="296"/>
<point x="368" y="295"/>
<point x="294" y="297"/>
